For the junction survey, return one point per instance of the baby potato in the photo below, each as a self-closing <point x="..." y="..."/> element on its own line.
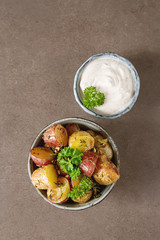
<point x="81" y="140"/>
<point x="103" y="146"/>
<point x="88" y="163"/>
<point x="76" y="135"/>
<point x="92" y="133"/>
<point x="99" y="141"/>
<point x="41" y="156"/>
<point x="56" y="136"/>
<point x="85" y="198"/>
<point x="106" y="172"/>
<point x="44" y="177"/>
<point x="71" y="128"/>
<point x="107" y="150"/>
<point x="60" y="193"/>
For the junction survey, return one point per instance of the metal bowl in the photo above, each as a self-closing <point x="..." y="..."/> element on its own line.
<point x="84" y="124"/>
<point x="77" y="92"/>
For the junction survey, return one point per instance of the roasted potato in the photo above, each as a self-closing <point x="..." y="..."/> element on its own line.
<point x="56" y="136"/>
<point x="41" y="156"/>
<point x="60" y="193"/>
<point x="103" y="146"/>
<point x="99" y="141"/>
<point x="107" y="150"/>
<point x="86" y="197"/>
<point x="92" y="133"/>
<point x="71" y="128"/>
<point x="44" y="177"/>
<point x="105" y="172"/>
<point x="81" y="140"/>
<point x="88" y="163"/>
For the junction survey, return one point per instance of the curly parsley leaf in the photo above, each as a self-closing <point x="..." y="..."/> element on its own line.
<point x="93" y="98"/>
<point x="84" y="186"/>
<point x="75" y="172"/>
<point x="66" y="165"/>
<point x="68" y="160"/>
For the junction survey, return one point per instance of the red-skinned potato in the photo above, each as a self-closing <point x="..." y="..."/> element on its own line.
<point x="56" y="136"/>
<point x="106" y="172"/>
<point x="71" y="128"/>
<point x="41" y="156"/>
<point x="88" y="163"/>
<point x="60" y="194"/>
<point x="44" y="177"/>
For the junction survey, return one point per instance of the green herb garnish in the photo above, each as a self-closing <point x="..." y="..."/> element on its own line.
<point x="75" y="173"/>
<point x="93" y="98"/>
<point x="59" y="184"/>
<point x="84" y="186"/>
<point x="50" y="196"/>
<point x="68" y="160"/>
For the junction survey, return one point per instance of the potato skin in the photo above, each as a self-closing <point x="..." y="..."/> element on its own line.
<point x="41" y="177"/>
<point x="88" y="163"/>
<point x="103" y="146"/>
<point x="60" y="194"/>
<point x="92" y="133"/>
<point x="85" y="198"/>
<point x="71" y="128"/>
<point x="75" y="182"/>
<point x="81" y="140"/>
<point x="56" y="136"/>
<point x="41" y="156"/>
<point x="100" y="141"/>
<point x="106" y="172"/>
<point x="107" y="150"/>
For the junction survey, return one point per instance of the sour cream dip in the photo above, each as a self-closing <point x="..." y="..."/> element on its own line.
<point x="112" y="77"/>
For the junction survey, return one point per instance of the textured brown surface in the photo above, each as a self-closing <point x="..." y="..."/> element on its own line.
<point x="42" y="44"/>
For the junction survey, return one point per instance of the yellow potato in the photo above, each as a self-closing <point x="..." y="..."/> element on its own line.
<point x="106" y="172"/>
<point x="81" y="140"/>
<point x="60" y="194"/>
<point x="44" y="177"/>
<point x="77" y="134"/>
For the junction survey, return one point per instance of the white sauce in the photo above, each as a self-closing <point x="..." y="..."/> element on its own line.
<point x="112" y="77"/>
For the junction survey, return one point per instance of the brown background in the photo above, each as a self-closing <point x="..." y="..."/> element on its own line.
<point x="42" y="44"/>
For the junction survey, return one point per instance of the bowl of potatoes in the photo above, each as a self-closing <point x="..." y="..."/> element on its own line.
<point x="73" y="164"/>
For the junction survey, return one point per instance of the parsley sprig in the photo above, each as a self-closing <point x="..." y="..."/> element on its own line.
<point x="68" y="160"/>
<point x="84" y="186"/>
<point x="93" y="98"/>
